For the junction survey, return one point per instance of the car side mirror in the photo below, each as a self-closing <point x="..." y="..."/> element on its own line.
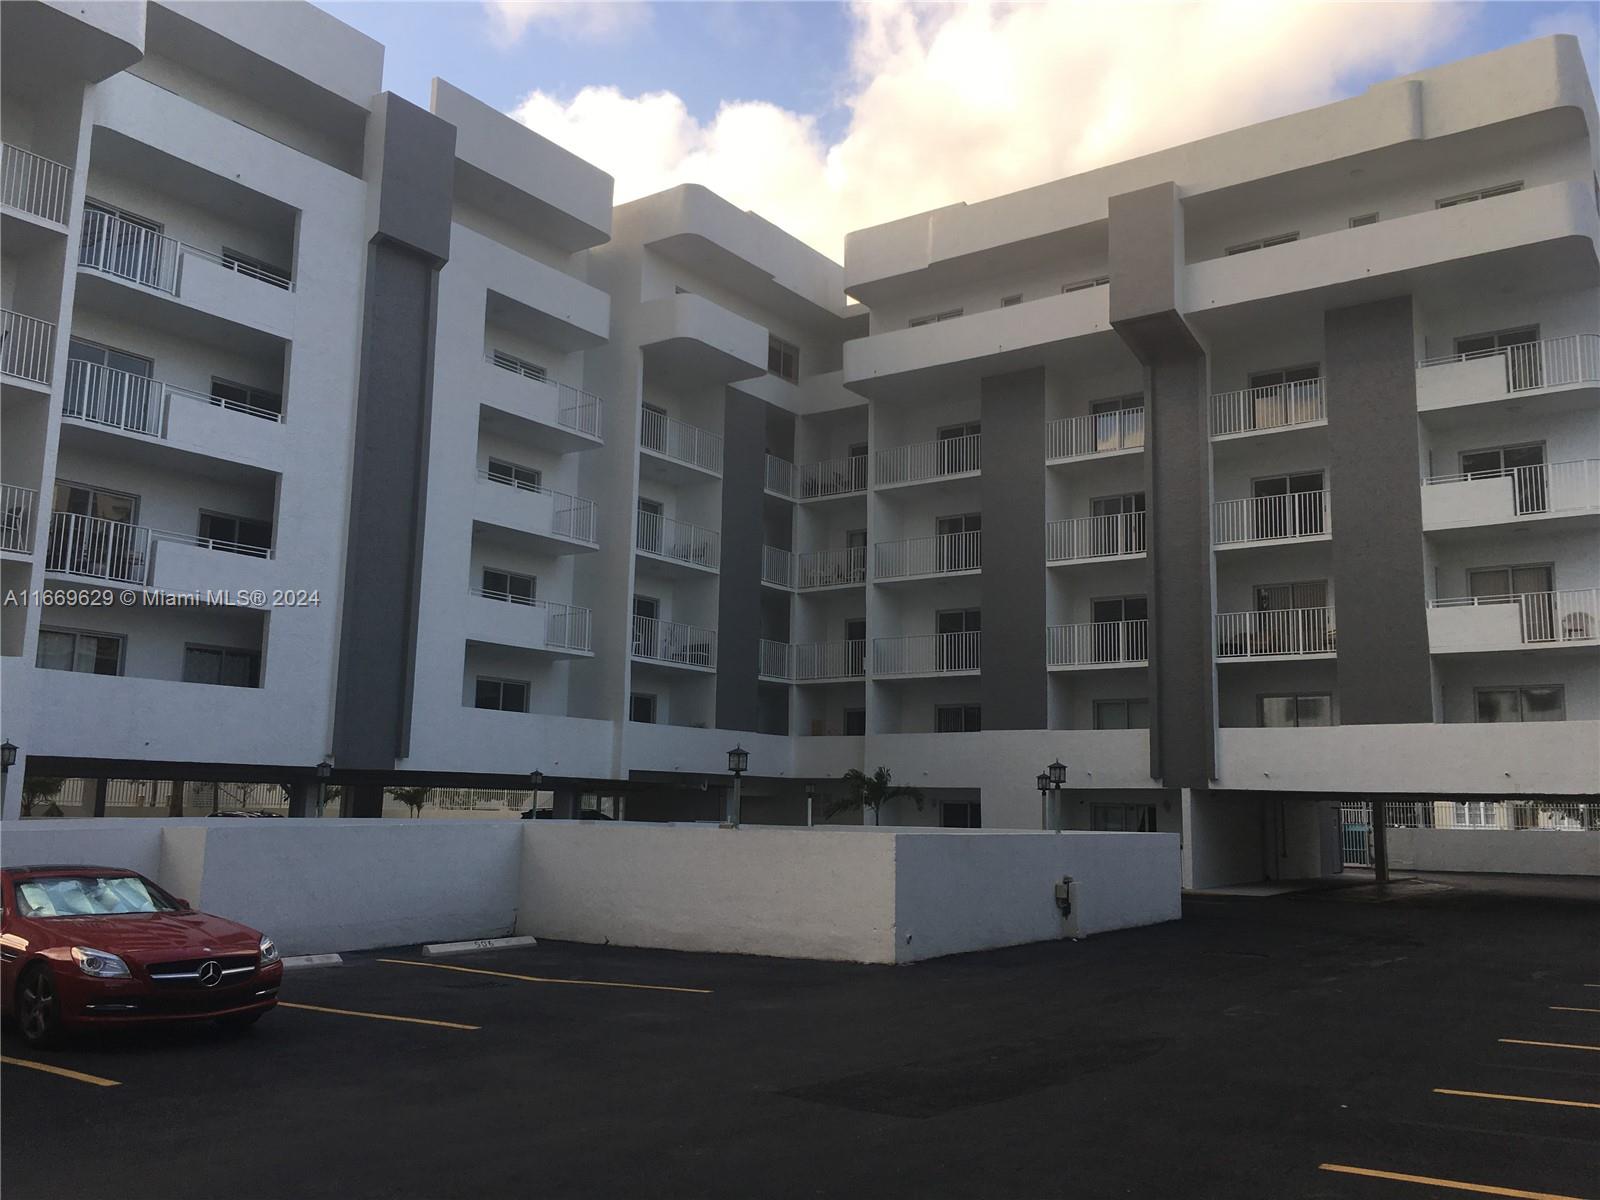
<point x="183" y="905"/>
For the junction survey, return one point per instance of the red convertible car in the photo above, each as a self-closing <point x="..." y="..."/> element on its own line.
<point x="90" y="947"/>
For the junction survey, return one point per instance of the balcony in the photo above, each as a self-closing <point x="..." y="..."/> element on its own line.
<point x="674" y="644"/>
<point x="556" y="416"/>
<point x="1276" y="634"/>
<point x="1094" y="539"/>
<point x="832" y="478"/>
<point x="780" y="480"/>
<point x="1097" y="644"/>
<point x="1460" y="380"/>
<point x="691" y="342"/>
<point x="678" y="544"/>
<point x="927" y="654"/>
<point x="928" y="462"/>
<point x="828" y="662"/>
<point x="27" y="347"/>
<point x="18" y="506"/>
<point x="1097" y="435"/>
<point x="1266" y="409"/>
<point x="1472" y="624"/>
<point x="86" y="547"/>
<point x="553" y="522"/>
<point x="1258" y="520"/>
<point x="845" y="566"/>
<point x="668" y="440"/>
<point x="1541" y="492"/>
<point x="94" y="548"/>
<point x="35" y="185"/>
<point x="927" y="557"/>
<point x="773" y="661"/>
<point x="777" y="567"/>
<point x="501" y="619"/>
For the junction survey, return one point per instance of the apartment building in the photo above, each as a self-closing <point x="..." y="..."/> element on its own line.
<point x="1239" y="479"/>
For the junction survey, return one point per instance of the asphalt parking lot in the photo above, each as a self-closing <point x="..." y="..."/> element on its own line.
<point x="1442" y="1042"/>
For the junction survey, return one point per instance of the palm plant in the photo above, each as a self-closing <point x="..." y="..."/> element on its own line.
<point x="413" y="798"/>
<point x="871" y="792"/>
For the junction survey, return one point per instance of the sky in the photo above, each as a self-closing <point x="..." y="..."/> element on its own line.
<point x="825" y="117"/>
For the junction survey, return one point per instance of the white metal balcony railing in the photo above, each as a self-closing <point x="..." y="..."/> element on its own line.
<point x="1269" y="518"/>
<point x="1096" y="433"/>
<point x="941" y="554"/>
<point x="119" y="552"/>
<point x="773" y="660"/>
<point x="151" y="259"/>
<point x="106" y="396"/>
<point x="1545" y="816"/>
<point x="1543" y="487"/>
<point x="681" y="441"/>
<point x="1097" y="643"/>
<point x="832" y="477"/>
<point x="927" y="654"/>
<point x="1553" y="362"/>
<point x="1105" y="536"/>
<point x="828" y="660"/>
<point x="839" y="567"/>
<point x="576" y="409"/>
<point x="678" y="540"/>
<point x="567" y="626"/>
<point x="671" y="641"/>
<point x="777" y="567"/>
<point x="1275" y="633"/>
<point x="1572" y="615"/>
<point x="570" y="516"/>
<point x="27" y="346"/>
<point x="928" y="460"/>
<point x="35" y="184"/>
<point x="1277" y="406"/>
<point x="780" y="476"/>
<point x="17" y="508"/>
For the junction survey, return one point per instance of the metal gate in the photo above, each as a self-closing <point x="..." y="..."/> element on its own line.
<point x="1355" y="829"/>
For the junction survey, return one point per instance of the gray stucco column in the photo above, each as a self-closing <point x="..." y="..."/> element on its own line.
<point x="744" y="466"/>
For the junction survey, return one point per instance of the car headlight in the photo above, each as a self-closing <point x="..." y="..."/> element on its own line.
<point x="269" y="952"/>
<point x="99" y="964"/>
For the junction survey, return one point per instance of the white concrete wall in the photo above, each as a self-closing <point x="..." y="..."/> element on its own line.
<point x="1508" y="851"/>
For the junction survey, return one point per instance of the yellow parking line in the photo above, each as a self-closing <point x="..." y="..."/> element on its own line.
<point x="1520" y="1099"/>
<point x="643" y="987"/>
<point x="350" y="1012"/>
<point x="1550" y="1045"/>
<point x="1568" y="1008"/>
<point x="61" y="1071"/>
<point x="1484" y="1189"/>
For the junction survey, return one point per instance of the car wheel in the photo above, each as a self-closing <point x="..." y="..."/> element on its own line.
<point x="239" y="1022"/>
<point x="38" y="1007"/>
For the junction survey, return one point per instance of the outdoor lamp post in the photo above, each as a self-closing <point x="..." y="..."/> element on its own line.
<point x="324" y="771"/>
<point x="1043" y="784"/>
<point x="738" y="764"/>
<point x="1052" y="781"/>
<point x="536" y="783"/>
<point x="811" y="801"/>
<point x="8" y="759"/>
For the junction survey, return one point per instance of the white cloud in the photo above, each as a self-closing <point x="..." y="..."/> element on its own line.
<point x="593" y="20"/>
<point x="963" y="103"/>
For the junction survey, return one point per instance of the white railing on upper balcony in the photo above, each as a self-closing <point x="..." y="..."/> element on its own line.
<point x="1269" y="518"/>
<point x="576" y="409"/>
<point x="566" y="627"/>
<point x="17" y="508"/>
<point x="681" y="441"/>
<point x="35" y="184"/>
<point x="1275" y="633"/>
<point x="833" y="477"/>
<point x="671" y="641"/>
<point x="1572" y="615"/>
<point x="27" y="346"/>
<point x="831" y="568"/>
<point x="1105" y="536"/>
<point x="97" y="548"/>
<point x="828" y="660"/>
<point x="1096" y="433"/>
<point x="927" y="654"/>
<point x="678" y="540"/>
<point x="772" y="659"/>
<point x="1553" y="362"/>
<point x="1097" y="643"/>
<point x="1543" y="487"/>
<point x="780" y="477"/>
<point x="104" y="395"/>
<point x="1277" y="406"/>
<point x="147" y="257"/>
<point x="929" y="460"/>
<point x="777" y="567"/>
<point x="570" y="516"/>
<point x="941" y="554"/>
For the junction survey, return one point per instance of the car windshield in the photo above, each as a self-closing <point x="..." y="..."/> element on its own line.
<point x="87" y="896"/>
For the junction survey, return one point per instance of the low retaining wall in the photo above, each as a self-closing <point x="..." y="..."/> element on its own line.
<point x="1507" y="851"/>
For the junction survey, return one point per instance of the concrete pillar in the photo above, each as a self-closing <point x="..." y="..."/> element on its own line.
<point x="303" y="798"/>
<point x="94" y="797"/>
<point x="566" y="804"/>
<point x="175" y="798"/>
<point x="1380" y="840"/>
<point x="363" y="800"/>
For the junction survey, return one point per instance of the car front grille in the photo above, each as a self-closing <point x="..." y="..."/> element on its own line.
<point x="236" y="968"/>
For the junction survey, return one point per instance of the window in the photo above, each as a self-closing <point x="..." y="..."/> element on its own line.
<point x="958" y="447"/>
<point x="1123" y="818"/>
<point x="220" y="665"/>
<point x="1118" y="631"/>
<point x="1282" y="376"/>
<point x="1497" y="582"/>
<point x="69" y="650"/>
<point x="1083" y="285"/>
<point x="959" y="547"/>
<point x="1541" y="703"/>
<point x="121" y="243"/>
<point x="518" y="366"/>
<point x="236" y="535"/>
<point x="1503" y="189"/>
<point x="502" y="695"/>
<point x="527" y="478"/>
<point x="783" y="359"/>
<point x="961" y="814"/>
<point x="653" y="428"/>
<point x="1122" y="714"/>
<point x="509" y="586"/>
<point x="103" y="541"/>
<point x="1519" y="347"/>
<point x="956" y="649"/>
<point x="1262" y="243"/>
<point x="255" y="268"/>
<point x="1294" y="505"/>
<point x="855" y="632"/>
<point x="957" y="718"/>
<point x="1525" y="465"/>
<point x="1112" y="431"/>
<point x="651" y="534"/>
<point x="642" y="708"/>
<point x="1124" y="535"/>
<point x="1363" y="219"/>
<point x="855" y="722"/>
<point x="87" y="501"/>
<point x="111" y="387"/>
<point x="240" y="397"/>
<point x="1295" y="711"/>
<point x="1008" y="301"/>
<point x="934" y="318"/>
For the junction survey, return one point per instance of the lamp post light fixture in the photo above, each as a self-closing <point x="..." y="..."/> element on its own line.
<point x="1051" y="780"/>
<point x="738" y="764"/>
<point x="811" y="801"/>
